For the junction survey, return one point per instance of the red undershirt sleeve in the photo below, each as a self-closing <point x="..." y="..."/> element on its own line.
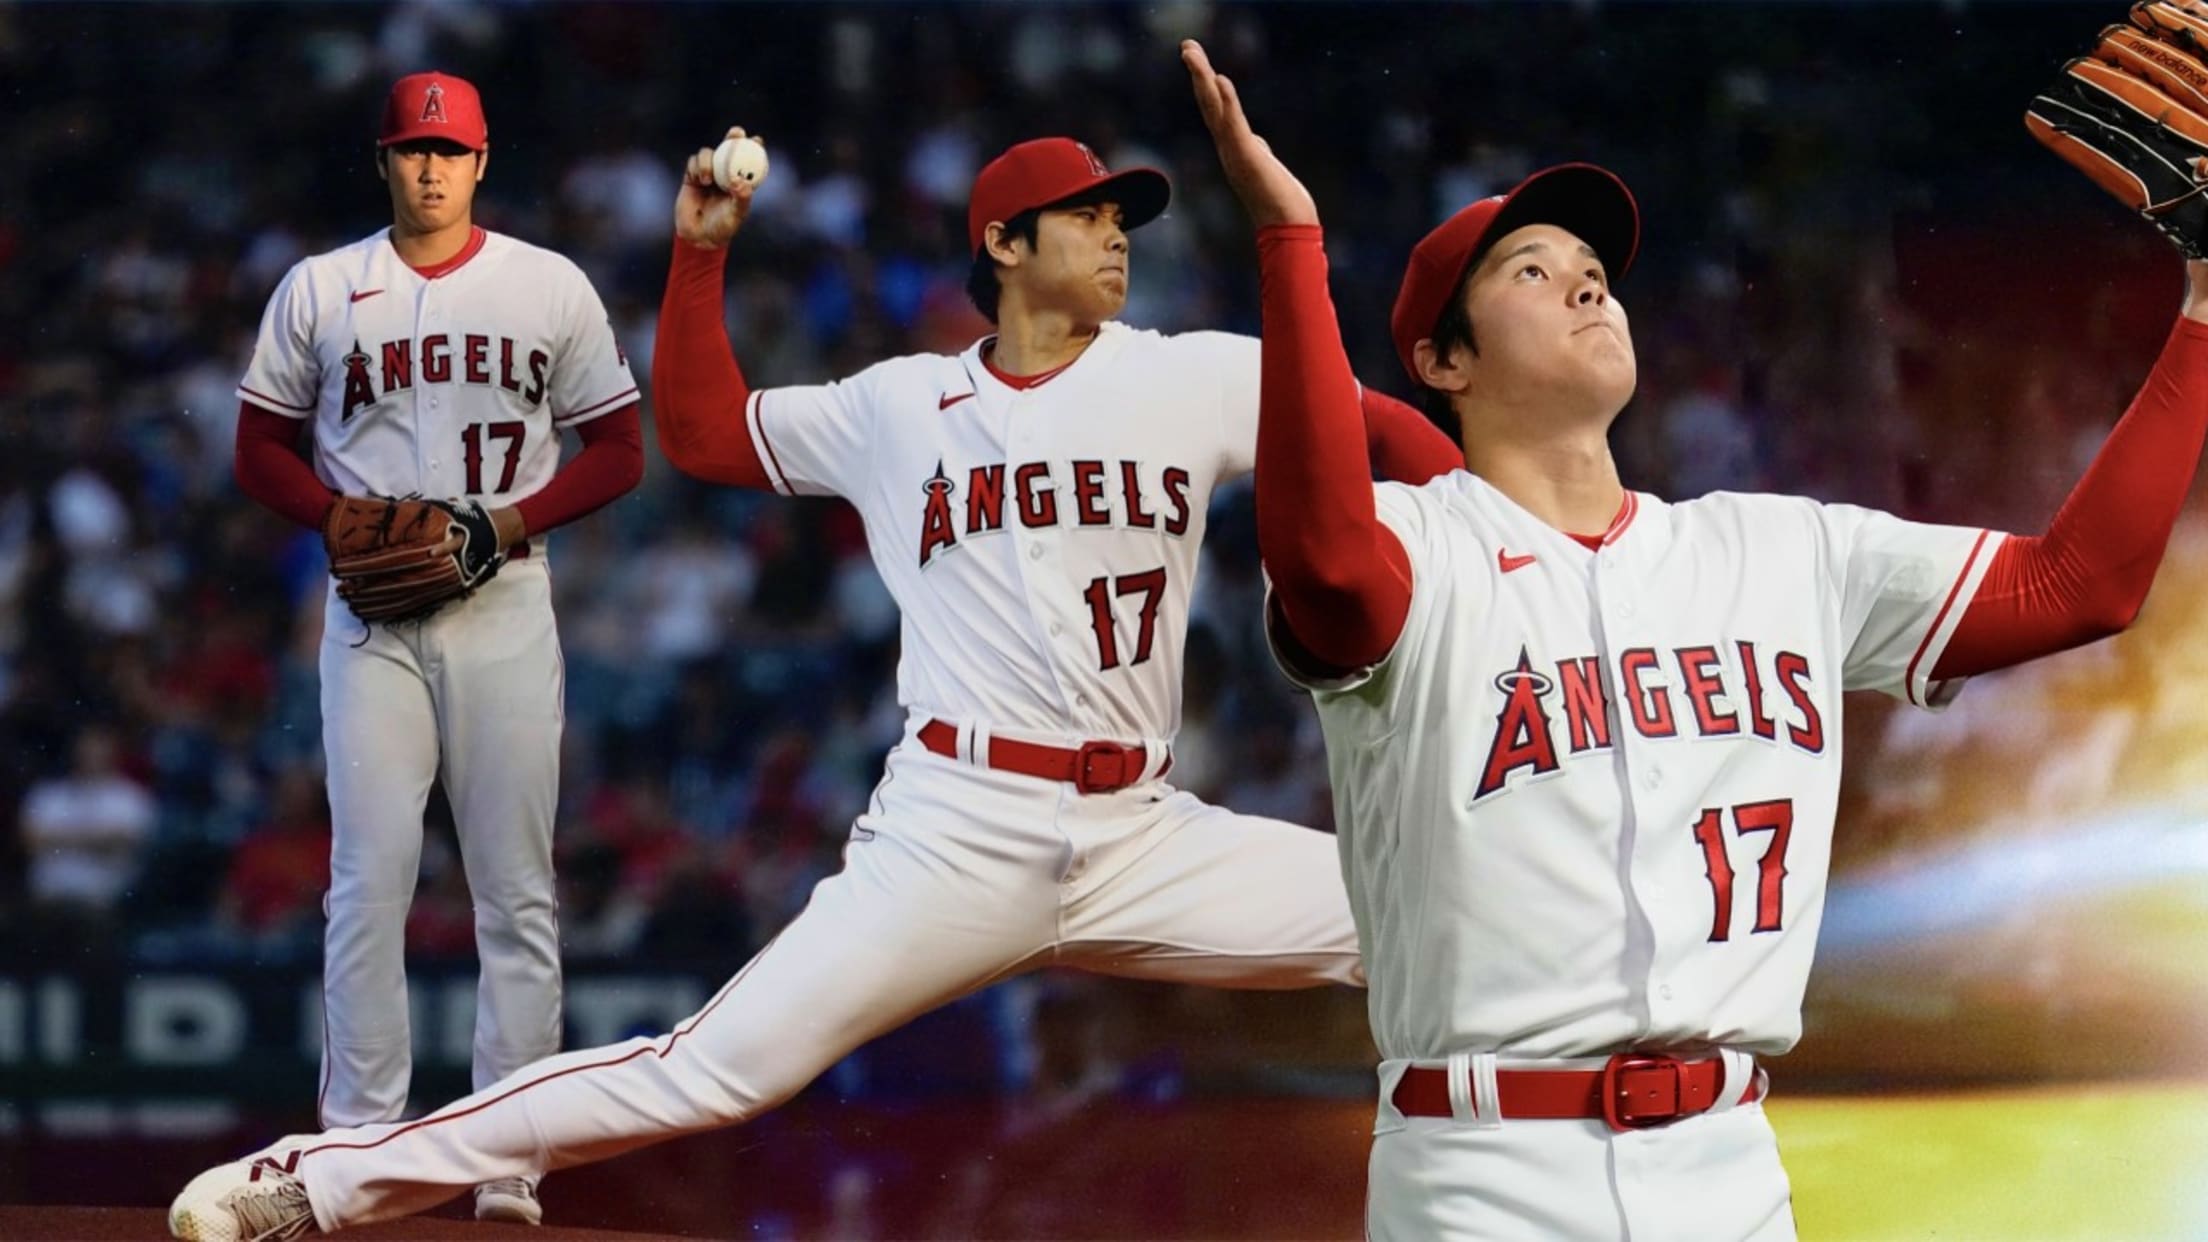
<point x="2088" y="575"/>
<point x="270" y="470"/>
<point x="612" y="462"/>
<point x="1406" y="446"/>
<point x="1341" y="579"/>
<point x="698" y="393"/>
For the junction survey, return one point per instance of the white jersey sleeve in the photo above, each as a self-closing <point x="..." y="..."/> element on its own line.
<point x="590" y="375"/>
<point x="816" y="439"/>
<point x="285" y="375"/>
<point x="1232" y="364"/>
<point x="1904" y="587"/>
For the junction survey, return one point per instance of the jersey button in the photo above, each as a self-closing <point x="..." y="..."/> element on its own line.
<point x="1625" y="610"/>
<point x="1034" y="551"/>
<point x="1664" y="991"/>
<point x="1654" y="778"/>
<point x="1056" y="629"/>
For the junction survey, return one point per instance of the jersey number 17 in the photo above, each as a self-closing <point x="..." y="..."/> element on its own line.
<point x="1150" y="585"/>
<point x="471" y="444"/>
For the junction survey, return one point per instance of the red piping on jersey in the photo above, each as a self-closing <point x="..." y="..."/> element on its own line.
<point x="1627" y="508"/>
<point x="1618" y="522"/>
<point x="265" y="399"/>
<point x="1024" y="382"/>
<point x="474" y="246"/>
<point x="1909" y="679"/>
<point x="588" y="410"/>
<point x="755" y="413"/>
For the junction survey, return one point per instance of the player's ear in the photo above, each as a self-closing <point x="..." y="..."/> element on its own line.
<point x="1441" y="374"/>
<point x="482" y="161"/>
<point x="1001" y="244"/>
<point x="383" y="163"/>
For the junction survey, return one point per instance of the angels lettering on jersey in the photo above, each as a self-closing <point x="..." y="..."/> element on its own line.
<point x="480" y="359"/>
<point x="1116" y="495"/>
<point x="1563" y="711"/>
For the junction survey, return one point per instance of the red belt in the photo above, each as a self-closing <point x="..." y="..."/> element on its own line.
<point x="1093" y="767"/>
<point x="1632" y="1092"/>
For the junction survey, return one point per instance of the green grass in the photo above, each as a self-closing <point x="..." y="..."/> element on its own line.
<point x="2096" y="1164"/>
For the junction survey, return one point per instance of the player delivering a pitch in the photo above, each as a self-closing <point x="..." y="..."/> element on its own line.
<point x="1036" y="504"/>
<point x="1585" y="745"/>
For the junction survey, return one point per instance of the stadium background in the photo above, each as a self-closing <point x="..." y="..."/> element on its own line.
<point x="1860" y="281"/>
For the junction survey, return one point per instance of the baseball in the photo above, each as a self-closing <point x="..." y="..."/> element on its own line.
<point x="739" y="159"/>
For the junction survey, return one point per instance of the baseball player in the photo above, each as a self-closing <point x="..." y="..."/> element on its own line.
<point x="438" y="359"/>
<point x="1035" y="504"/>
<point x="1584" y="744"/>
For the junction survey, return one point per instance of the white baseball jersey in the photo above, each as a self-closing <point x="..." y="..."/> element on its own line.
<point x="451" y="383"/>
<point x="455" y="384"/>
<point x="1586" y="802"/>
<point x="1041" y="542"/>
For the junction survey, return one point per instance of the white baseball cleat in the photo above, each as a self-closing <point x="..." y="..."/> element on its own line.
<point x="254" y="1200"/>
<point x="509" y="1199"/>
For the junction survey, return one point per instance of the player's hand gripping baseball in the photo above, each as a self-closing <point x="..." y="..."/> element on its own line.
<point x="705" y="214"/>
<point x="1269" y="192"/>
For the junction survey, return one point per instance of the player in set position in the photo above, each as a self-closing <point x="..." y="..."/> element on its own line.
<point x="438" y="359"/>
<point x="1035" y="504"/>
<point x="1585" y="745"/>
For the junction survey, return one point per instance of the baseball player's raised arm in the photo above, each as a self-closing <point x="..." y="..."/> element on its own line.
<point x="2087" y="576"/>
<point x="1341" y="578"/>
<point x="698" y="393"/>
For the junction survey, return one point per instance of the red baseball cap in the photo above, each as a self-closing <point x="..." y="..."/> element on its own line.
<point x="1051" y="170"/>
<point x="434" y="105"/>
<point x="1589" y="201"/>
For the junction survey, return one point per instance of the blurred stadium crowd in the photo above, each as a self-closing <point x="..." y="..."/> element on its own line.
<point x="1810" y="315"/>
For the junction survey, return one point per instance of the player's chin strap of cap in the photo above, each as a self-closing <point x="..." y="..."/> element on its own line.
<point x="1091" y="767"/>
<point x="1631" y="1091"/>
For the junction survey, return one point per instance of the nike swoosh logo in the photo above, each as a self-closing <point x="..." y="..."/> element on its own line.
<point x="1509" y="562"/>
<point x="946" y="401"/>
<point x="366" y="293"/>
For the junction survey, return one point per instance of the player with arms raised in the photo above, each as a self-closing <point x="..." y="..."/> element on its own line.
<point x="1585" y="745"/>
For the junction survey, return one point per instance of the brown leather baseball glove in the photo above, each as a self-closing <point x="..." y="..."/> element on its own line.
<point x="403" y="558"/>
<point x="2132" y="114"/>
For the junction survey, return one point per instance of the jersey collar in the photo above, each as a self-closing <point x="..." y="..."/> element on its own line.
<point x="1109" y="336"/>
<point x="476" y="237"/>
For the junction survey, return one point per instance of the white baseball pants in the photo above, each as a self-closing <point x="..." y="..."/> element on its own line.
<point x="956" y="877"/>
<point x="476" y="692"/>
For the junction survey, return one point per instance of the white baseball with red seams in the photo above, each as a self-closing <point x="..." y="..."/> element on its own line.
<point x="453" y="383"/>
<point x="1041" y="539"/>
<point x="1590" y="793"/>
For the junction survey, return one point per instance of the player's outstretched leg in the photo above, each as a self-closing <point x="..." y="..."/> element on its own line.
<point x="917" y="917"/>
<point x="1195" y="893"/>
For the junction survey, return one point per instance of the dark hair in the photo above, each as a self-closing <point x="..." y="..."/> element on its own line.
<point x="1452" y="330"/>
<point x="442" y="146"/>
<point x="981" y="280"/>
